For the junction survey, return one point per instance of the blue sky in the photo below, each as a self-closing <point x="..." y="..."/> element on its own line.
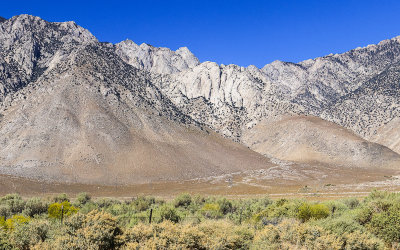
<point x="239" y="32"/>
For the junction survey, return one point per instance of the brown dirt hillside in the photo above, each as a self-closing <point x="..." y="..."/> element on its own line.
<point x="94" y="119"/>
<point x="388" y="135"/>
<point x="310" y="139"/>
<point x="74" y="133"/>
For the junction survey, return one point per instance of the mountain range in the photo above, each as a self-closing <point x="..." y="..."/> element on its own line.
<point x="74" y="109"/>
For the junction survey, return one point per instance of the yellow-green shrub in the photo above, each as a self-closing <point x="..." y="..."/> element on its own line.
<point x="16" y="220"/>
<point x="211" y="211"/>
<point x="57" y="209"/>
<point x="312" y="211"/>
<point x="2" y="222"/>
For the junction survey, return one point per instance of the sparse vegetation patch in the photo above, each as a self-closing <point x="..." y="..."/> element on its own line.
<point x="196" y="222"/>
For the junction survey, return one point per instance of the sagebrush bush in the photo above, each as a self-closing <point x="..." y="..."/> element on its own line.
<point x="336" y="207"/>
<point x="5" y="211"/>
<point x="4" y="240"/>
<point x="11" y="204"/>
<point x="196" y="222"/>
<point x="35" y="206"/>
<point x="96" y="230"/>
<point x="26" y="235"/>
<point x="183" y="200"/>
<point x="386" y="224"/>
<point x="211" y="211"/>
<point x="105" y="202"/>
<point x="225" y="206"/>
<point x="345" y="223"/>
<point x="291" y="234"/>
<point x="168" y="212"/>
<point x="89" y="206"/>
<point x="225" y="235"/>
<point x="312" y="211"/>
<point x="60" y="198"/>
<point x="143" y="203"/>
<point x="284" y="208"/>
<point x="101" y="229"/>
<point x="83" y="198"/>
<point x="351" y="202"/>
<point x="139" y="233"/>
<point x="362" y="240"/>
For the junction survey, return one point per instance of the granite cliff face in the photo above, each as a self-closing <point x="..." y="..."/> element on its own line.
<point x="317" y="87"/>
<point x="74" y="108"/>
<point x="349" y="89"/>
<point x="156" y="60"/>
<point x="251" y="94"/>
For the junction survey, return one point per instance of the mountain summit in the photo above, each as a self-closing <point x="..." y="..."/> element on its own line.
<point x="74" y="109"/>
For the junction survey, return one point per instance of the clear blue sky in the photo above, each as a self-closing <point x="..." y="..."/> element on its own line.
<point x="239" y="32"/>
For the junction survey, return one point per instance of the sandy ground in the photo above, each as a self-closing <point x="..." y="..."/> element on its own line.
<point x="284" y="180"/>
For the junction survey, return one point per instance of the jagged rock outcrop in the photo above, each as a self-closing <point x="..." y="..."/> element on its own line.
<point x="30" y="45"/>
<point x="248" y="95"/>
<point x="156" y="60"/>
<point x="232" y="99"/>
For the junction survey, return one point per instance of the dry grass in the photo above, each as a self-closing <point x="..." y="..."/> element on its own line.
<point x="304" y="181"/>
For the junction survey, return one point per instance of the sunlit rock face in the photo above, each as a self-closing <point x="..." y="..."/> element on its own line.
<point x="75" y="108"/>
